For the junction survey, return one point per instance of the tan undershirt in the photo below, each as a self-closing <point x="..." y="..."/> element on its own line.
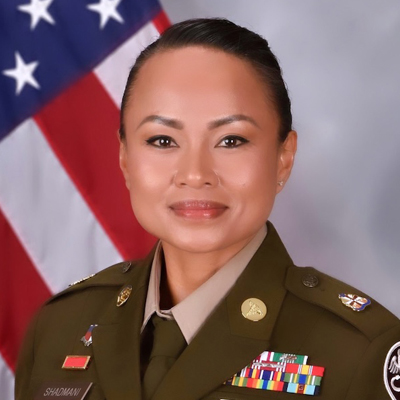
<point x="191" y="313"/>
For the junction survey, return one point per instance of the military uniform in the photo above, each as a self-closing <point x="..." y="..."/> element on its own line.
<point x="304" y="317"/>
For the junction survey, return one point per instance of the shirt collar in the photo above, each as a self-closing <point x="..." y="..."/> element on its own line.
<point x="191" y="313"/>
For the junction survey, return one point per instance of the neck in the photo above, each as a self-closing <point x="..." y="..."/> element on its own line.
<point x="184" y="271"/>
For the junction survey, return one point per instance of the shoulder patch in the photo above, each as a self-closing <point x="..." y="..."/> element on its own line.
<point x="320" y="289"/>
<point x="391" y="372"/>
<point x="116" y="275"/>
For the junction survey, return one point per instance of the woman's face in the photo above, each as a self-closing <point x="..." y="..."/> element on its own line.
<point x="201" y="157"/>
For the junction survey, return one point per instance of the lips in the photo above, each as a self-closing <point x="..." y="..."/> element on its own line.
<point x="198" y="209"/>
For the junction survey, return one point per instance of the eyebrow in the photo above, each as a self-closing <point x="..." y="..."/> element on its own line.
<point x="176" y="124"/>
<point x="230" y="119"/>
<point x="158" y="119"/>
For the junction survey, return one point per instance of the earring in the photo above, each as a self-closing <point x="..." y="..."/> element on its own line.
<point x="280" y="183"/>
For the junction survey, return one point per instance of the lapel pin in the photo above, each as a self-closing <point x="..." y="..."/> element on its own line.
<point x="124" y="295"/>
<point x="353" y="301"/>
<point x="76" y="362"/>
<point x="254" y="309"/>
<point x="87" y="339"/>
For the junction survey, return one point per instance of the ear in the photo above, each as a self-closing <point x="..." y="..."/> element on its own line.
<point x="123" y="160"/>
<point x="286" y="157"/>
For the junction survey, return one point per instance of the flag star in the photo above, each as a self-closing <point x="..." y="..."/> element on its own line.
<point x="38" y="10"/>
<point x="107" y="9"/>
<point x="22" y="73"/>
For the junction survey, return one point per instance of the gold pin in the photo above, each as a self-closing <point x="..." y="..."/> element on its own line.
<point x="254" y="309"/>
<point x="124" y="295"/>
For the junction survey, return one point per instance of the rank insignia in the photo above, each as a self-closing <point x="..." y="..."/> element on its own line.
<point x="280" y="372"/>
<point x="355" y="302"/>
<point x="87" y="339"/>
<point x="76" y="362"/>
<point x="391" y="372"/>
<point x="81" y="280"/>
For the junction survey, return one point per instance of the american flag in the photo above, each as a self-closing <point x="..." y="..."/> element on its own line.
<point x="64" y="208"/>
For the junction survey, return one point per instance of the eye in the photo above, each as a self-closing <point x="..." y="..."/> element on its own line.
<point x="232" y="141"/>
<point x="161" y="141"/>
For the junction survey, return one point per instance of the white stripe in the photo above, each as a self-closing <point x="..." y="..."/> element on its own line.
<point x="6" y="381"/>
<point x="48" y="214"/>
<point x="114" y="70"/>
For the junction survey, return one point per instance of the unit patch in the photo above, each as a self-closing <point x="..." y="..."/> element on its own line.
<point x="391" y="372"/>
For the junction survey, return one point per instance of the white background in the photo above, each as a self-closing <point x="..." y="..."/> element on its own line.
<point x="340" y="211"/>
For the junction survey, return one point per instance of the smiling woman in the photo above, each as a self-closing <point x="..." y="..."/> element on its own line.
<point x="218" y="310"/>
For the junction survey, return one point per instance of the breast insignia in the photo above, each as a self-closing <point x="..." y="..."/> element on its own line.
<point x="254" y="309"/>
<point x="124" y="295"/>
<point x="353" y="301"/>
<point x="391" y="372"/>
<point x="81" y="280"/>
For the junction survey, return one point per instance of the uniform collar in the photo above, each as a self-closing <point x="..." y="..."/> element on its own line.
<point x="192" y="312"/>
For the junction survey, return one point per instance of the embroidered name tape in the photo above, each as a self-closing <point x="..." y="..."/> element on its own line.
<point x="63" y="390"/>
<point x="280" y="372"/>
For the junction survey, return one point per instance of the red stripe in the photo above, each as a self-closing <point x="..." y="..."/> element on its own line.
<point x="161" y="22"/>
<point x="81" y="126"/>
<point x="22" y="291"/>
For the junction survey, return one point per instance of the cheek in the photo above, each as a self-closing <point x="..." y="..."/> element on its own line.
<point x="253" y="177"/>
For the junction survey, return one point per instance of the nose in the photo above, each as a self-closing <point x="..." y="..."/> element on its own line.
<point x="196" y="169"/>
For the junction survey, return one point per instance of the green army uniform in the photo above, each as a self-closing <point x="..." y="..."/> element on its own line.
<point x="304" y="317"/>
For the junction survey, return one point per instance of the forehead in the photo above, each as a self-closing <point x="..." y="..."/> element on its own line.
<point x="201" y="79"/>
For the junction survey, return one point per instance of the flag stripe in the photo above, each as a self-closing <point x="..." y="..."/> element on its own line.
<point x="21" y="286"/>
<point x="124" y="57"/>
<point x="6" y="381"/>
<point x="47" y="213"/>
<point x="161" y="21"/>
<point x="92" y="163"/>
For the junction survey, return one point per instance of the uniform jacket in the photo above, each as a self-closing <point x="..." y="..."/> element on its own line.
<point x="302" y="320"/>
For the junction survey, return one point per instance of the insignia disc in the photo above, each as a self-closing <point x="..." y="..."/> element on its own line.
<point x="355" y="302"/>
<point x="124" y="295"/>
<point x="254" y="309"/>
<point x="391" y="372"/>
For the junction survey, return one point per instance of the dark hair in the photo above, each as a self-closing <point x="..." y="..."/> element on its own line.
<point x="226" y="36"/>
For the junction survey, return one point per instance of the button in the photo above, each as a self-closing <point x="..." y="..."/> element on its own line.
<point x="254" y="309"/>
<point x="126" y="267"/>
<point x="310" y="280"/>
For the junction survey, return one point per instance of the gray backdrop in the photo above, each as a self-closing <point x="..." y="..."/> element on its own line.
<point x="340" y="211"/>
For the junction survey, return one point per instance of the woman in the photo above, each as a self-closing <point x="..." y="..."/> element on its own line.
<point x="206" y="143"/>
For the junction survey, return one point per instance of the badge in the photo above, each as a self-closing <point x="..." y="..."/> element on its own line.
<point x="63" y="390"/>
<point x="76" y="362"/>
<point x="87" y="339"/>
<point x="280" y="372"/>
<point x="356" y="303"/>
<point x="391" y="372"/>
<point x="124" y="295"/>
<point x="254" y="309"/>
